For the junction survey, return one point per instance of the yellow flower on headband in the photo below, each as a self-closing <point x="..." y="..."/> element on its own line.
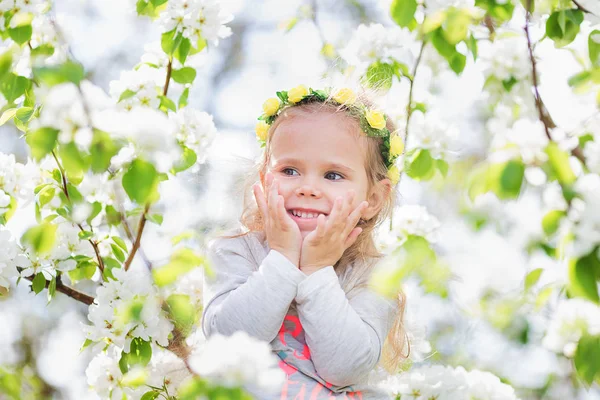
<point x="296" y="94"/>
<point x="396" y="146"/>
<point x="271" y="106"/>
<point x="375" y="119"/>
<point x="394" y="174"/>
<point x="345" y="96"/>
<point x="262" y="128"/>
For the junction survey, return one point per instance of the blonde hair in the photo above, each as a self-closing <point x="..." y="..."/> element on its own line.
<point x="363" y="253"/>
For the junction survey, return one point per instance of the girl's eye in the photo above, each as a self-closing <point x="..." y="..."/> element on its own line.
<point x="285" y="171"/>
<point x="333" y="173"/>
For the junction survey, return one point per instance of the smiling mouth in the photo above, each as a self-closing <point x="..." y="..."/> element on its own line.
<point x="305" y="215"/>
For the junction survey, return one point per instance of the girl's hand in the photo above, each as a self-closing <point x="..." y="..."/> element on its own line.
<point x="282" y="232"/>
<point x="325" y="245"/>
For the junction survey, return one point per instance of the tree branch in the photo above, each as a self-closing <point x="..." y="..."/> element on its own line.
<point x="66" y="192"/>
<point x="580" y="7"/>
<point x="138" y="238"/>
<point x="543" y="114"/>
<point x="169" y="69"/>
<point x="69" y="291"/>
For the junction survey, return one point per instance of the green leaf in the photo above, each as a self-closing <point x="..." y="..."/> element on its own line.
<point x="511" y="178"/>
<point x="184" y="75"/>
<point x="155" y="218"/>
<point x="24" y="114"/>
<point x="456" y="27"/>
<point x="119" y="255"/>
<point x="403" y="12"/>
<point x="141" y="182"/>
<point x="559" y="161"/>
<point x="582" y="277"/>
<point x="126" y="95"/>
<point x="551" y="221"/>
<point x="182" y="261"/>
<point x="8" y="115"/>
<point x="53" y="75"/>
<point x="533" y="277"/>
<point x="189" y="159"/>
<point x="421" y="165"/>
<point x="170" y="41"/>
<point x="183" y="99"/>
<point x="102" y="150"/>
<point x="14" y="86"/>
<point x="594" y="47"/>
<point x="21" y="34"/>
<point x="379" y="76"/>
<point x="39" y="283"/>
<point x="52" y="288"/>
<point x="73" y="161"/>
<point x="182" y="312"/>
<point x="5" y="63"/>
<point x="85" y="235"/>
<point x="85" y="270"/>
<point x="442" y="166"/>
<point x="563" y="26"/>
<point x="183" y="50"/>
<point x="150" y="395"/>
<point x="41" y="238"/>
<point x="46" y="195"/>
<point x="140" y="353"/>
<point x="167" y="104"/>
<point x="119" y="242"/>
<point x="499" y="10"/>
<point x="587" y="358"/>
<point x="43" y="50"/>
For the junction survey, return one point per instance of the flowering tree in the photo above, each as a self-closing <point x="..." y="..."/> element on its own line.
<point x="100" y="162"/>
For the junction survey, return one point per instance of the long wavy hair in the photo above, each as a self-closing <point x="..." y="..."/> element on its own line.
<point x="363" y="254"/>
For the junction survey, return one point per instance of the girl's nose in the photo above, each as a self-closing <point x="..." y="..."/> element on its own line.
<point x="308" y="190"/>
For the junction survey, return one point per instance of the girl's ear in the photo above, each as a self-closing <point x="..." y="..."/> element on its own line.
<point x="379" y="194"/>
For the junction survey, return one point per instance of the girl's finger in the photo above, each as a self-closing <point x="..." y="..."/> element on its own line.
<point x="261" y="201"/>
<point x="335" y="212"/>
<point x="352" y="237"/>
<point x="281" y="212"/>
<point x="354" y="217"/>
<point x="347" y="204"/>
<point x="273" y="193"/>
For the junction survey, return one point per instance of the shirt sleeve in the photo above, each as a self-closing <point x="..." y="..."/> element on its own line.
<point x="345" y="337"/>
<point x="241" y="296"/>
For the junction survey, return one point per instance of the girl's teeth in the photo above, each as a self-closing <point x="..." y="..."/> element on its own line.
<point x="304" y="215"/>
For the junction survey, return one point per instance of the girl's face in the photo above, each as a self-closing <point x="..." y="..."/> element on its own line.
<point x="317" y="158"/>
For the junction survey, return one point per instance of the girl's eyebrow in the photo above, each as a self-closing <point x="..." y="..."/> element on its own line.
<point x="331" y="165"/>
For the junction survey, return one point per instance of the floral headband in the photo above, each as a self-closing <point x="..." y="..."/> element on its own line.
<point x="372" y="121"/>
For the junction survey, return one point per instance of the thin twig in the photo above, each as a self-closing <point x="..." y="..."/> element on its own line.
<point x="534" y="77"/>
<point x="579" y="6"/>
<point x="66" y="192"/>
<point x="136" y="243"/>
<point x="69" y="291"/>
<point x="169" y="69"/>
<point x="409" y="109"/>
<point x="543" y="114"/>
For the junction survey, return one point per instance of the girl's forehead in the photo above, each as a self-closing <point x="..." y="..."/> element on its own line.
<point x="318" y="136"/>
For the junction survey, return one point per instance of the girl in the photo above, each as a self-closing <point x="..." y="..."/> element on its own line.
<point x="298" y="277"/>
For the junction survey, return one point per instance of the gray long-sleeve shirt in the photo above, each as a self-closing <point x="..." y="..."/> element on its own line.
<point x="327" y="344"/>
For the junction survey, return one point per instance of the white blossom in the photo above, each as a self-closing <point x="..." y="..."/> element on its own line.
<point x="150" y="131"/>
<point x="195" y="130"/>
<point x="18" y="180"/>
<point x="197" y="19"/>
<point x="430" y="132"/>
<point x="108" y="313"/>
<point x="10" y="257"/>
<point x="408" y="220"/>
<point x="572" y="319"/>
<point x="238" y="360"/>
<point x="447" y="383"/>
<point x="583" y="215"/>
<point x="374" y="42"/>
<point x="591" y="152"/>
<point x="146" y="83"/>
